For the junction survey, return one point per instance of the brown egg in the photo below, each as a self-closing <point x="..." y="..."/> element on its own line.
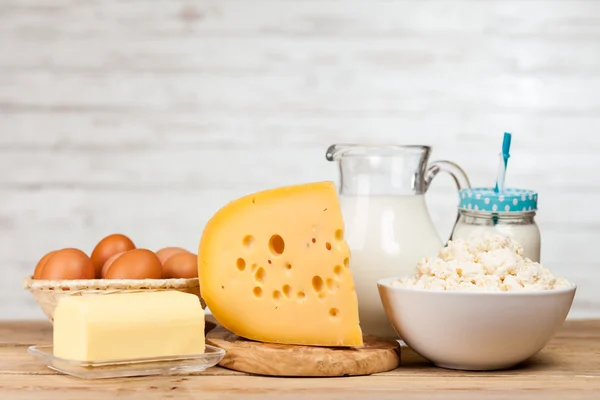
<point x="68" y="263"/>
<point x="135" y="264"/>
<point x="40" y="265"/>
<point x="109" y="262"/>
<point x="167" y="252"/>
<point x="108" y="247"/>
<point x="181" y="265"/>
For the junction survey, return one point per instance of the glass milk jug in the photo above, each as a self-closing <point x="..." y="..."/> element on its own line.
<point x="387" y="224"/>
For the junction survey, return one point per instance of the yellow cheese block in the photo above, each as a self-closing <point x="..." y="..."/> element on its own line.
<point x="273" y="267"/>
<point x="130" y="325"/>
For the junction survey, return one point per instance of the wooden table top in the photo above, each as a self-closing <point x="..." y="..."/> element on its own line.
<point x="569" y="367"/>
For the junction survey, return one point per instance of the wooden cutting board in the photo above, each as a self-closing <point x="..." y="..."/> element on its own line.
<point x="377" y="355"/>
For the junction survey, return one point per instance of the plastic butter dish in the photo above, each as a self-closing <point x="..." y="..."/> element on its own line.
<point x="131" y="367"/>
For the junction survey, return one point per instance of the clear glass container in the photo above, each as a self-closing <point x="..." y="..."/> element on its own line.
<point x="387" y="224"/>
<point x="130" y="367"/>
<point x="520" y="226"/>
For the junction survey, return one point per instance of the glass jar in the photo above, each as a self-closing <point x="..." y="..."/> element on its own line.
<point x="510" y="213"/>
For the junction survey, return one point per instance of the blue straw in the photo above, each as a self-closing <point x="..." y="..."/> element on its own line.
<point x="505" y="156"/>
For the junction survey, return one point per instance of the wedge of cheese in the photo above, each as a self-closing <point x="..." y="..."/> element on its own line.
<point x="273" y="267"/>
<point x="128" y="325"/>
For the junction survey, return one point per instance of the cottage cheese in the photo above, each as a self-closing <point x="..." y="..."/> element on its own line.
<point x="490" y="263"/>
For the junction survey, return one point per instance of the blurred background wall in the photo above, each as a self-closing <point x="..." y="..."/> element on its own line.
<point x="144" y="117"/>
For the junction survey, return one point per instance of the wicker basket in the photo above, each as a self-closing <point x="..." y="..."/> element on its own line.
<point x="48" y="293"/>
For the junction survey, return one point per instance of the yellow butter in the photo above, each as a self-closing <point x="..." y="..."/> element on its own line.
<point x="273" y="267"/>
<point x="131" y="325"/>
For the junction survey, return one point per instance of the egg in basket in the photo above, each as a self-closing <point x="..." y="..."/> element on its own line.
<point x="115" y="265"/>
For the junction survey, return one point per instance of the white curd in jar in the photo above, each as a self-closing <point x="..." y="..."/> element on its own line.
<point x="510" y="213"/>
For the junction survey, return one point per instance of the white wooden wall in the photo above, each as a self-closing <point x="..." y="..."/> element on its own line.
<point x="144" y="117"/>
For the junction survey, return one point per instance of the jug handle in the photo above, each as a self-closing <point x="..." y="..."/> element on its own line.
<point x="456" y="172"/>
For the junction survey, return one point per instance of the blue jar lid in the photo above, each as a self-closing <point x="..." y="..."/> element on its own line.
<point x="487" y="200"/>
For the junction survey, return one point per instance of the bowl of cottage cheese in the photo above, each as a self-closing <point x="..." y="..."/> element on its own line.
<point x="478" y="305"/>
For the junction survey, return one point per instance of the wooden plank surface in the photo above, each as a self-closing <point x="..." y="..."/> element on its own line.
<point x="145" y="117"/>
<point x="568" y="368"/>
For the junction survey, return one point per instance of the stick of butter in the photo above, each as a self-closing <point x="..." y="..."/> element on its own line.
<point x="128" y="325"/>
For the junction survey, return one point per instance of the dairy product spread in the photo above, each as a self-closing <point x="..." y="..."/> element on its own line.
<point x="128" y="325"/>
<point x="492" y="263"/>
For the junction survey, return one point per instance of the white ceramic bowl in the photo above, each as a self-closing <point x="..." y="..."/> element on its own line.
<point x="473" y="330"/>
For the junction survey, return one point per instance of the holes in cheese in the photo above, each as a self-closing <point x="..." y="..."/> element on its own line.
<point x="332" y="284"/>
<point x="241" y="264"/>
<point x="338" y="271"/>
<point x="317" y="283"/>
<point x="287" y="291"/>
<point x="260" y="275"/>
<point x="295" y="290"/>
<point x="276" y="244"/>
<point x="248" y="241"/>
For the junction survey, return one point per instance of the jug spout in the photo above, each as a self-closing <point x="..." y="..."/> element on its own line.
<point x="335" y="151"/>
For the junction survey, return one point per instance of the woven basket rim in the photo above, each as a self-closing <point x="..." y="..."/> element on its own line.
<point x="101" y="284"/>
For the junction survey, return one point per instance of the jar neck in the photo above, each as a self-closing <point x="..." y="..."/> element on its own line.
<point x="473" y="217"/>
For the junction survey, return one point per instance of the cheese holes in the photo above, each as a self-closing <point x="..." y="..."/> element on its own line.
<point x="276" y="245"/>
<point x="301" y="295"/>
<point x="276" y="295"/>
<point x="314" y="240"/>
<point x="339" y="234"/>
<point x="260" y="275"/>
<point x="332" y="285"/>
<point x="257" y="292"/>
<point x="288" y="266"/>
<point x="287" y="291"/>
<point x="241" y="264"/>
<point x="333" y="312"/>
<point x="317" y="283"/>
<point x="346" y="262"/>
<point x="248" y="241"/>
<point x="328" y="246"/>
<point x="338" y="271"/>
